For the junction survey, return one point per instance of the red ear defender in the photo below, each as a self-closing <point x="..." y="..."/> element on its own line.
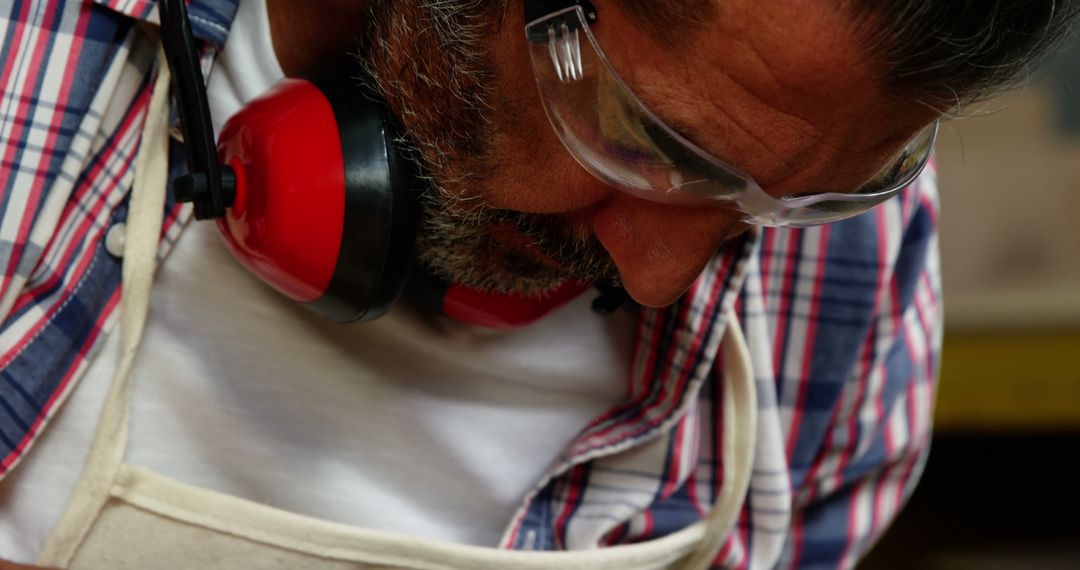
<point x="325" y="210"/>
<point x="314" y="196"/>
<point x="288" y="214"/>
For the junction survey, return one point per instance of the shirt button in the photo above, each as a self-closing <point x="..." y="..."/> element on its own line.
<point x="114" y="239"/>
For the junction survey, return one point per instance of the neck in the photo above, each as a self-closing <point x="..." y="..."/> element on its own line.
<point x="308" y="32"/>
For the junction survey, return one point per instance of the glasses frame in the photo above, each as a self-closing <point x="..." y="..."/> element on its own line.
<point x="558" y="26"/>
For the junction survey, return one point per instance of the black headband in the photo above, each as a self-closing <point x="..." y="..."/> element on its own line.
<point x="209" y="185"/>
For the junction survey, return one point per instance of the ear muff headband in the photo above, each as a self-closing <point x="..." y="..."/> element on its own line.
<point x="203" y="185"/>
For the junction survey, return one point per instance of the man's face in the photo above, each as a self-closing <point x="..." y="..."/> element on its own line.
<point x="777" y="89"/>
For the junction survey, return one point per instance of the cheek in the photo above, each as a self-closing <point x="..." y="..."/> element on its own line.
<point x="543" y="188"/>
<point x="528" y="168"/>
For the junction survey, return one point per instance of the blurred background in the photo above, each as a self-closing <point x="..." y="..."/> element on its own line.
<point x="1000" y="490"/>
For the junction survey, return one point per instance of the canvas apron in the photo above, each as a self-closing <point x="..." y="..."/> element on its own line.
<point x="124" y="517"/>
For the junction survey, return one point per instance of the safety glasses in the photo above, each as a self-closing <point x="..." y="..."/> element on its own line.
<point x="615" y="136"/>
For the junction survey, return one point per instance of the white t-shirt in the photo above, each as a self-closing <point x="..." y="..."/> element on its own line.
<point x="436" y="431"/>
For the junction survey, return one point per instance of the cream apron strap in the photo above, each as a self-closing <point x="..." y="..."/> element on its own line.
<point x="740" y="434"/>
<point x="143" y="233"/>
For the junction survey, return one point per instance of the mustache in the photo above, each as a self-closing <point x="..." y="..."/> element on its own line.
<point x="572" y="246"/>
<point x="461" y="242"/>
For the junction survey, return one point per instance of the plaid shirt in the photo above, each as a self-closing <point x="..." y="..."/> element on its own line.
<point x="843" y="322"/>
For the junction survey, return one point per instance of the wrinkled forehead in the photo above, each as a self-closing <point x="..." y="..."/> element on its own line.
<point x="781" y="89"/>
<point x="793" y="53"/>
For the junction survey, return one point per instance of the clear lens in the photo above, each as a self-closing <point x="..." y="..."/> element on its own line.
<point x="816" y="209"/>
<point x="608" y="130"/>
<point x="614" y="136"/>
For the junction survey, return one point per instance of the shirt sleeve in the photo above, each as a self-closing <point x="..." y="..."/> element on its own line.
<point x="78" y="89"/>
<point x="875" y="444"/>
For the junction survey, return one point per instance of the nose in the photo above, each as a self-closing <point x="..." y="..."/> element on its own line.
<point x="660" y="249"/>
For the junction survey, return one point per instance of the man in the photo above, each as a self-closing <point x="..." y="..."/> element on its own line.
<point x="576" y="433"/>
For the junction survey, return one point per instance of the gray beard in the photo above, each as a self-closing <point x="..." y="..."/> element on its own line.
<point x="466" y="250"/>
<point x="426" y="58"/>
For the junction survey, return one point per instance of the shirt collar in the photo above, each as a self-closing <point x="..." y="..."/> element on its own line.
<point x="210" y="19"/>
<point x="676" y="347"/>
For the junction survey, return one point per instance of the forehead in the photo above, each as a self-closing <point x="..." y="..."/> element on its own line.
<point x="657" y="18"/>
<point x="781" y="89"/>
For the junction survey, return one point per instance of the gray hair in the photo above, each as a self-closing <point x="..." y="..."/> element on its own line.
<point x="947" y="53"/>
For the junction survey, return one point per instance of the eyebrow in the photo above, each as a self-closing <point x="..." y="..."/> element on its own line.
<point x="668" y="22"/>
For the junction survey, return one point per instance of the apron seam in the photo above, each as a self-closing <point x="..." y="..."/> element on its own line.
<point x="130" y="479"/>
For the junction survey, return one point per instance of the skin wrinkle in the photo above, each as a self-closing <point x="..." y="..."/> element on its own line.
<point x="659" y="19"/>
<point x="650" y="95"/>
<point x="839" y="99"/>
<point x="795" y="140"/>
<point x="776" y="154"/>
<point x="817" y="138"/>
<point x="695" y="133"/>
<point x="816" y="146"/>
<point x="770" y="74"/>
<point x="781" y="176"/>
<point x="815" y="134"/>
